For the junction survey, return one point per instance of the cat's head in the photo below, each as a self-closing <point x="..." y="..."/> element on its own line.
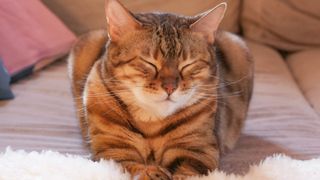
<point x="166" y="61"/>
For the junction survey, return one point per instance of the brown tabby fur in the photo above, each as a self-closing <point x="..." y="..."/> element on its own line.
<point x="191" y="140"/>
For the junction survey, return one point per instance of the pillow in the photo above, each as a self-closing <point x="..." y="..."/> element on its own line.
<point x="5" y="92"/>
<point x="82" y="16"/>
<point x="29" y="34"/>
<point x="288" y="25"/>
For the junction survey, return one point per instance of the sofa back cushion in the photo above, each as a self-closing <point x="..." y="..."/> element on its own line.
<point x="82" y="16"/>
<point x="288" y="25"/>
<point x="30" y="34"/>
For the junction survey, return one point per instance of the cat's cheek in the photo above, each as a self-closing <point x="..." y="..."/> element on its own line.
<point x="183" y="98"/>
<point x="137" y="93"/>
<point x="147" y="98"/>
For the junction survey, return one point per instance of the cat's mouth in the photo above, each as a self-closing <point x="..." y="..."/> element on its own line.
<point x="168" y="99"/>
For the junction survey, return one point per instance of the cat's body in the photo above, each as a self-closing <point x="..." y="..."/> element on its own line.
<point x="180" y="134"/>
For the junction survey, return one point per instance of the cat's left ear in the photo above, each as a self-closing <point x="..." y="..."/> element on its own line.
<point x="120" y="20"/>
<point x="209" y="22"/>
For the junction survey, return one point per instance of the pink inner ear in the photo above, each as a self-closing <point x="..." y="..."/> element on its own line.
<point x="209" y="22"/>
<point x="119" y="20"/>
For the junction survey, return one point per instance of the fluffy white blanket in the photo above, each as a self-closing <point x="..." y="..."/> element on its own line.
<point x="48" y="165"/>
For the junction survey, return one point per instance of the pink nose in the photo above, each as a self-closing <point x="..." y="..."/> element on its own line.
<point x="169" y="87"/>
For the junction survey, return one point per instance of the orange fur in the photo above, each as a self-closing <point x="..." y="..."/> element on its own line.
<point x="119" y="94"/>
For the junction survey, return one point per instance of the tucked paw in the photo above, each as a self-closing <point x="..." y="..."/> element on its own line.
<point x="154" y="173"/>
<point x="158" y="174"/>
<point x="179" y="177"/>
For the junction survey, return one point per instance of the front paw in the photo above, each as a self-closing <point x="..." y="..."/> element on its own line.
<point x="154" y="173"/>
<point x="179" y="177"/>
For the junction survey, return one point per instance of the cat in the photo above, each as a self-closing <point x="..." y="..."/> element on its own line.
<point x="163" y="95"/>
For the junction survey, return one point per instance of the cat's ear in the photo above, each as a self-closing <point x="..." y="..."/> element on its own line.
<point x="209" y="21"/>
<point x="120" y="21"/>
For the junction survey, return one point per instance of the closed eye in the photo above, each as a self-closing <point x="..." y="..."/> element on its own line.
<point x="194" y="68"/>
<point x="150" y="65"/>
<point x="188" y="65"/>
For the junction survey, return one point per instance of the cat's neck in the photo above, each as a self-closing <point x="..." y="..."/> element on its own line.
<point x="157" y="111"/>
<point x="142" y="119"/>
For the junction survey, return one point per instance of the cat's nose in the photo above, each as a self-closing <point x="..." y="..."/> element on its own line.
<point x="169" y="87"/>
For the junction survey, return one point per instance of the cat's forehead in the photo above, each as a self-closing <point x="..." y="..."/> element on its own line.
<point x="159" y="19"/>
<point x="164" y="37"/>
<point x="169" y="36"/>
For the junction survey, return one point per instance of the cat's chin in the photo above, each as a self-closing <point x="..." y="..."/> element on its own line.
<point x="148" y="110"/>
<point x="155" y="108"/>
<point x="166" y="100"/>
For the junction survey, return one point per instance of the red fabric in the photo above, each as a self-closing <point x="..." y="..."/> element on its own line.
<point x="29" y="32"/>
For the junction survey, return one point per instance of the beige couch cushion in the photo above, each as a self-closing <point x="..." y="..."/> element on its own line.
<point x="280" y="119"/>
<point x="285" y="24"/>
<point x="82" y="16"/>
<point x="305" y="67"/>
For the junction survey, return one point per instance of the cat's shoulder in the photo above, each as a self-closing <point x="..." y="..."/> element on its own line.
<point x="87" y="48"/>
<point x="85" y="53"/>
<point x="90" y="38"/>
<point x="228" y="40"/>
<point x="233" y="47"/>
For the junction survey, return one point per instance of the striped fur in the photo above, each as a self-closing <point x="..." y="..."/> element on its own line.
<point x="152" y="143"/>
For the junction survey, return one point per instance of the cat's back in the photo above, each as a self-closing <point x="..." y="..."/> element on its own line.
<point x="236" y="68"/>
<point x="83" y="55"/>
<point x="235" y="61"/>
<point x="234" y="54"/>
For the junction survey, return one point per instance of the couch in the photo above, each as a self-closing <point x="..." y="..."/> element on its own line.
<point x="284" y="115"/>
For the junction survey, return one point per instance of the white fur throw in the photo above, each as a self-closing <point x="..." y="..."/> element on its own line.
<point x="47" y="165"/>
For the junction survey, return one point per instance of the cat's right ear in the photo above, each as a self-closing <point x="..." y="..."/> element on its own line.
<point x="120" y="21"/>
<point x="209" y="22"/>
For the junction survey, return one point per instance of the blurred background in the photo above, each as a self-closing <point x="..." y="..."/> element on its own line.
<point x="36" y="110"/>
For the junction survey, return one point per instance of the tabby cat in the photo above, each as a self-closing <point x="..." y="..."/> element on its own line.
<point x="164" y="95"/>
